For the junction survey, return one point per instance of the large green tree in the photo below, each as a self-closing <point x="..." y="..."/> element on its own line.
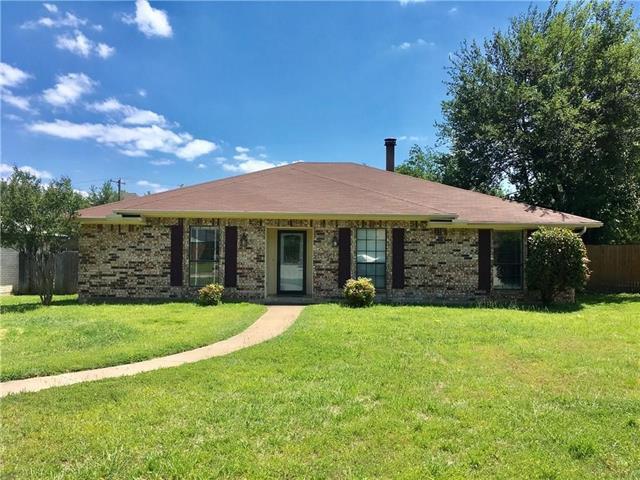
<point x="107" y="193"/>
<point x="38" y="220"/>
<point x="551" y="107"/>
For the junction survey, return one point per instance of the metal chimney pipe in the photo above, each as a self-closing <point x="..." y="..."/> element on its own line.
<point x="390" y="144"/>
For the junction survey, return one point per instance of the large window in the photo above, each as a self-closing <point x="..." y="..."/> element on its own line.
<point x="507" y="259"/>
<point x="371" y="258"/>
<point x="203" y="255"/>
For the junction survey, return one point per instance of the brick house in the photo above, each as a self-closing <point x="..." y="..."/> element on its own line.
<point x="303" y="229"/>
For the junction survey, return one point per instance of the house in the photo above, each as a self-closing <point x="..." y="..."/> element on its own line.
<point x="305" y="228"/>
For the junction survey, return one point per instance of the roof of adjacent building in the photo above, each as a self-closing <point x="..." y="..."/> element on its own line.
<point x="334" y="190"/>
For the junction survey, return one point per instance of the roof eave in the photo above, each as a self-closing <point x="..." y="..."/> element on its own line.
<point x="286" y="215"/>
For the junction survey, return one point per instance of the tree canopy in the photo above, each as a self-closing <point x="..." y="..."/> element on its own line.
<point x="38" y="220"/>
<point x="107" y="193"/>
<point x="551" y="108"/>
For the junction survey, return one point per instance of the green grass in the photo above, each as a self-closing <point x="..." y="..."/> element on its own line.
<point x="69" y="336"/>
<point x="386" y="392"/>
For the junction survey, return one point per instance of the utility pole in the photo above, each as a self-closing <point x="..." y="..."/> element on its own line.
<point x="118" y="182"/>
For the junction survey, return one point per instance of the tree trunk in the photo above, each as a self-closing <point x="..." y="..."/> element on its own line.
<point x="547" y="295"/>
<point x="45" y="268"/>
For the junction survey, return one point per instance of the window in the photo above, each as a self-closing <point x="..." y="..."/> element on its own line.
<point x="507" y="260"/>
<point x="203" y="255"/>
<point x="370" y="255"/>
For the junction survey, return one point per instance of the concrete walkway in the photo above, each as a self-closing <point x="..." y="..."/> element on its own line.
<point x="272" y="323"/>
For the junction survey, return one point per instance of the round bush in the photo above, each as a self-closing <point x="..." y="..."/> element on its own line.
<point x="210" y="294"/>
<point x="556" y="260"/>
<point x="360" y="292"/>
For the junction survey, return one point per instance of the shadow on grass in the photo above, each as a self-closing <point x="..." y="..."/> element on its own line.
<point x="582" y="301"/>
<point x="35" y="304"/>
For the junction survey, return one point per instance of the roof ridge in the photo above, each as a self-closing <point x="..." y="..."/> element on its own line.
<point x="233" y="179"/>
<point x="379" y="192"/>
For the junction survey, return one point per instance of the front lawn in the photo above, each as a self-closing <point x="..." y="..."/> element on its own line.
<point x="69" y="336"/>
<point x="386" y="392"/>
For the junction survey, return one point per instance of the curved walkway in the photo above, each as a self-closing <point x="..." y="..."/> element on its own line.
<point x="272" y="323"/>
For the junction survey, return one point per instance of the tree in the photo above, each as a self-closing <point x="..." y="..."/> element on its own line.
<point x="552" y="107"/>
<point x="107" y="193"/>
<point x="37" y="220"/>
<point x="556" y="260"/>
<point x="423" y="163"/>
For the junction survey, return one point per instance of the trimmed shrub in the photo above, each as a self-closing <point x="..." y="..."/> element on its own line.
<point x="210" y="294"/>
<point x="556" y="260"/>
<point x="360" y="292"/>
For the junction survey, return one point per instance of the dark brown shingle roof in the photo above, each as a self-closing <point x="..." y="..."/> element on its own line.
<point x="336" y="189"/>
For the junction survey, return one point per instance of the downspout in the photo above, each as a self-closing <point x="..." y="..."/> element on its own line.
<point x="581" y="232"/>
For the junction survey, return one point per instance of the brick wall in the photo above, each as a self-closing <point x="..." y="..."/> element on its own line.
<point x="134" y="261"/>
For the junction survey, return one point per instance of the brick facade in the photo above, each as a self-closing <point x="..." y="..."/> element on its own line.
<point x="122" y="261"/>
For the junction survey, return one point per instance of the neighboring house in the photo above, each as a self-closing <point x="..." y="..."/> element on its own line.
<point x="9" y="270"/>
<point x="303" y="229"/>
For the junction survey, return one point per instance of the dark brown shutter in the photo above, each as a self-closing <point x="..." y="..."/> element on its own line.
<point x="344" y="256"/>
<point x="397" y="258"/>
<point x="176" y="254"/>
<point x="231" y="256"/>
<point x="484" y="260"/>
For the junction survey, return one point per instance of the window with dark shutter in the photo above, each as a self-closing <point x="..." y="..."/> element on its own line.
<point x="484" y="260"/>
<point x="397" y="258"/>
<point x="344" y="256"/>
<point x="231" y="256"/>
<point x="176" y="255"/>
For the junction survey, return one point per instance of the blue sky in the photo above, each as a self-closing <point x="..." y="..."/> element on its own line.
<point x="171" y="93"/>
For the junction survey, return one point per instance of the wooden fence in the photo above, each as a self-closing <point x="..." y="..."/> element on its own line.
<point x="614" y="268"/>
<point x="66" y="278"/>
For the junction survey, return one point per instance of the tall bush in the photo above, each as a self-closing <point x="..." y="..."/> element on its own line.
<point x="556" y="260"/>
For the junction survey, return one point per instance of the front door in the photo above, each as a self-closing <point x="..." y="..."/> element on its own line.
<point x="292" y="246"/>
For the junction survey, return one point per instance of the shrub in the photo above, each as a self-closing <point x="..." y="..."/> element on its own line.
<point x="210" y="294"/>
<point x="556" y="260"/>
<point x="360" y="292"/>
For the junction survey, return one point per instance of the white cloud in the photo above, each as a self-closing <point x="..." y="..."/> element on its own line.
<point x="11" y="76"/>
<point x="161" y="163"/>
<point x="97" y="28"/>
<point x="132" y="141"/>
<point x="404" y="3"/>
<point x="144" y="117"/>
<point x="69" y="89"/>
<point x="250" y="165"/>
<point x="419" y="43"/>
<point x="154" y="187"/>
<point x="12" y="117"/>
<point x="196" y="148"/>
<point x="21" y="103"/>
<point x="142" y="92"/>
<point x="109" y="105"/>
<point x="132" y="115"/>
<point x="77" y="44"/>
<point x="68" y="20"/>
<point x="150" y="21"/>
<point x="244" y="162"/>
<point x="201" y="165"/>
<point x="50" y="7"/>
<point x="6" y="170"/>
<point x="133" y="152"/>
<point x="104" y="51"/>
<point x="82" y="193"/>
<point x="412" y="138"/>
<point x="80" y="45"/>
<point x="452" y="11"/>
